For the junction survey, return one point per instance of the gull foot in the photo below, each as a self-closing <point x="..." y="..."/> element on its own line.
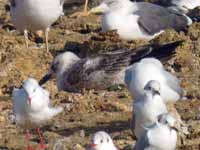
<point x="43" y="146"/>
<point x="30" y="147"/>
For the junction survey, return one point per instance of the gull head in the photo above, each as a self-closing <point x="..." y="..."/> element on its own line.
<point x="102" y="141"/>
<point x="153" y="86"/>
<point x="30" y="87"/>
<point x="169" y="120"/>
<point x="60" y="64"/>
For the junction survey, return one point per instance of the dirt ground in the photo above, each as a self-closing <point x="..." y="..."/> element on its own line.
<point x="85" y="114"/>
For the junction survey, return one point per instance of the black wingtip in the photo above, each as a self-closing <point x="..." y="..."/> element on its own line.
<point x="165" y="51"/>
<point x="172" y="44"/>
<point x="159" y="51"/>
<point x="45" y="79"/>
<point x="195" y="18"/>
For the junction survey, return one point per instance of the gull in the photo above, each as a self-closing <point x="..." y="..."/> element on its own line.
<point x="147" y="108"/>
<point x="139" y="20"/>
<point x="35" y="15"/>
<point x="160" y="136"/>
<point x="147" y="69"/>
<point x="31" y="107"/>
<point x="74" y="74"/>
<point x="102" y="141"/>
<point x="139" y="74"/>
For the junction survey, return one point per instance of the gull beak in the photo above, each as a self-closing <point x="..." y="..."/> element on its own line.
<point x="156" y="93"/>
<point x="29" y="100"/>
<point x="45" y="78"/>
<point x="93" y="145"/>
<point x="175" y="128"/>
<point x="99" y="9"/>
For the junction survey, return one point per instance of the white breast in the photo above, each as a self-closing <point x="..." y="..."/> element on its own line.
<point x="35" y="14"/>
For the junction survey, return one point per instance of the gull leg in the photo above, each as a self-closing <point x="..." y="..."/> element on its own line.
<point x="28" y="139"/>
<point x="46" y="39"/>
<point x="83" y="91"/>
<point x="42" y="145"/>
<point x="85" y="13"/>
<point x="26" y="37"/>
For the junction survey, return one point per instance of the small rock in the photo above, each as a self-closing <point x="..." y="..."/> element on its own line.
<point x="82" y="133"/>
<point x="59" y="145"/>
<point x="2" y="119"/>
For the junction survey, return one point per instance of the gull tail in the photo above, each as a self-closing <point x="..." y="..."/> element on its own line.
<point x="46" y="114"/>
<point x="50" y="112"/>
<point x="161" y="52"/>
<point x="55" y="111"/>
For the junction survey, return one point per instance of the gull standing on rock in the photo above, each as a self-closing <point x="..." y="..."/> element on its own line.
<point x="102" y="141"/>
<point x="35" y="15"/>
<point x="31" y="107"/>
<point x="74" y="74"/>
<point x="139" y="20"/>
<point x="147" y="108"/>
<point x="160" y="136"/>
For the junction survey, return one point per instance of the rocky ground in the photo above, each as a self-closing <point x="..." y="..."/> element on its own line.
<point x="85" y="114"/>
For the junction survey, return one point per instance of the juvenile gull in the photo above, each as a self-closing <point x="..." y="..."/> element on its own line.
<point x="147" y="108"/>
<point x="74" y="74"/>
<point x="31" y="107"/>
<point x="161" y="136"/>
<point x="102" y="141"/>
<point x="139" y="74"/>
<point x="35" y="15"/>
<point x="139" y="20"/>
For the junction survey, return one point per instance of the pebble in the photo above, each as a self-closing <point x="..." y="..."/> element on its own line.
<point x="2" y="119"/>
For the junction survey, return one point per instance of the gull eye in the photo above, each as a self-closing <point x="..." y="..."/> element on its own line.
<point x="159" y="119"/>
<point x="101" y="141"/>
<point x="34" y="90"/>
<point x="54" y="66"/>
